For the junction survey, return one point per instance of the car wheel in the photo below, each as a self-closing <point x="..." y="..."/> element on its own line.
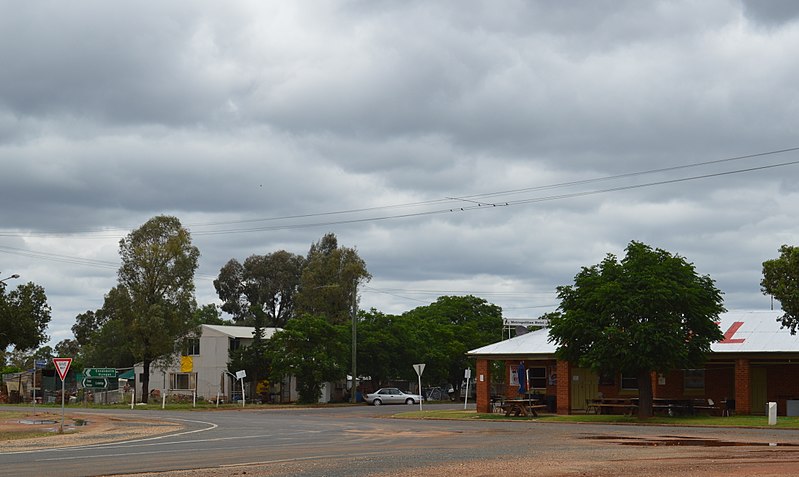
<point x="377" y="402"/>
<point x="409" y="401"/>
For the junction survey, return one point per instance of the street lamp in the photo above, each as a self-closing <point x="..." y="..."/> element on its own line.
<point x="14" y="276"/>
<point x="354" y="341"/>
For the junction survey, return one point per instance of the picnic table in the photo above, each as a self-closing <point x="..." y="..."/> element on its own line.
<point x="522" y="407"/>
<point x="606" y="405"/>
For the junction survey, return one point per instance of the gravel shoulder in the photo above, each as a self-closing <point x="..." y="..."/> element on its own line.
<point x="80" y="429"/>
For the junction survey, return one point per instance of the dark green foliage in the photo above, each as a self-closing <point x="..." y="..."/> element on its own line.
<point x="781" y="280"/>
<point x="24" y="316"/>
<point x="330" y="279"/>
<point x="311" y="349"/>
<point x="154" y="300"/>
<point x="649" y="312"/>
<point x="438" y="335"/>
<point x="263" y="289"/>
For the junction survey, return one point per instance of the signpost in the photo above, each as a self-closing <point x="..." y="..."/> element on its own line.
<point x="37" y="365"/>
<point x="62" y="367"/>
<point x="100" y="372"/>
<point x="419" y="368"/>
<point x="241" y="375"/>
<point x="467" y="374"/>
<point x="100" y="383"/>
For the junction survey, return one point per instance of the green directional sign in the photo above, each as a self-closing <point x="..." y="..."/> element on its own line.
<point x="95" y="383"/>
<point x="100" y="372"/>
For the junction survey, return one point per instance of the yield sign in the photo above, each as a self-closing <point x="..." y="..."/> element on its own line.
<point x="62" y="366"/>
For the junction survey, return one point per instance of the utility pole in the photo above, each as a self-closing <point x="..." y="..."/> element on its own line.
<point x="354" y="341"/>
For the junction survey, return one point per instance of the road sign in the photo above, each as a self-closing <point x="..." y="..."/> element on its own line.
<point x="62" y="366"/>
<point x="241" y="374"/>
<point x="39" y="363"/>
<point x="95" y="383"/>
<point x="419" y="368"/>
<point x="100" y="372"/>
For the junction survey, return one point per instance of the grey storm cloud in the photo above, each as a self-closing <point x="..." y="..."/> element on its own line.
<point x="462" y="147"/>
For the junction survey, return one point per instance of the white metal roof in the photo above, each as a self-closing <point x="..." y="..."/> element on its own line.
<point x="238" y="331"/>
<point x="745" y="332"/>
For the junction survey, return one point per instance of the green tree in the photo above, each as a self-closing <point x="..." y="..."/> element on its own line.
<point x="330" y="279"/>
<point x="102" y="342"/>
<point x="209" y="315"/>
<point x="781" y="280"/>
<point x="24" y="316"/>
<point x="447" y="329"/>
<point x="311" y="349"/>
<point x="154" y="299"/>
<point x="69" y="348"/>
<point x="650" y="312"/>
<point x="260" y="292"/>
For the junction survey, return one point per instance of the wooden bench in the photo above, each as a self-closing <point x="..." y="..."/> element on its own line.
<point x="600" y="407"/>
<point x="522" y="409"/>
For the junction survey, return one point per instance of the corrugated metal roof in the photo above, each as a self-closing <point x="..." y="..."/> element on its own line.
<point x="745" y="332"/>
<point x="240" y="331"/>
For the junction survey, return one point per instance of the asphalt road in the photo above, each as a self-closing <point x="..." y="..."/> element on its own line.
<point x="362" y="440"/>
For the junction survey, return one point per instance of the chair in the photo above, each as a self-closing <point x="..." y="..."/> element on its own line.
<point x="496" y="403"/>
<point x="729" y="407"/>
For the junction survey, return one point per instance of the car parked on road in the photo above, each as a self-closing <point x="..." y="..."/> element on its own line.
<point x="392" y="396"/>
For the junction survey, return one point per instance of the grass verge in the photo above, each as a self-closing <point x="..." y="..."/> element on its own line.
<point x="703" y="421"/>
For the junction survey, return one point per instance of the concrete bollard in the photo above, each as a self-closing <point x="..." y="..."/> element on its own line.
<point x="772" y="414"/>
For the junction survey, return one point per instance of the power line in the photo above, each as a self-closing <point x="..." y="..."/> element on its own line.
<point x="473" y="199"/>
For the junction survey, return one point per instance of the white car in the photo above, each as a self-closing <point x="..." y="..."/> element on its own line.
<point x="392" y="396"/>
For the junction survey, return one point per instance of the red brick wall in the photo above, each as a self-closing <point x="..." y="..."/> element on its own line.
<point x="743" y="402"/>
<point x="563" y="387"/>
<point x="483" y="381"/>
<point x="781" y="385"/>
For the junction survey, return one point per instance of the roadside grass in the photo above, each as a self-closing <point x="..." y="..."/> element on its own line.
<point x="699" y="421"/>
<point x="175" y="406"/>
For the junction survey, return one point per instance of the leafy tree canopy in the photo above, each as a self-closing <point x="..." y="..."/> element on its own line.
<point x="446" y="329"/>
<point x="781" y="280"/>
<point x="261" y="292"/>
<point x="24" y="316"/>
<point x="311" y="349"/>
<point x="649" y="312"/>
<point x="329" y="280"/>
<point x="154" y="298"/>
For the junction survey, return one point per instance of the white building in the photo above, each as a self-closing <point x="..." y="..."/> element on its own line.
<point x="204" y="367"/>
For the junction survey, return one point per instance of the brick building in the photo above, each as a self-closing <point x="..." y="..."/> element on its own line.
<point x="756" y="362"/>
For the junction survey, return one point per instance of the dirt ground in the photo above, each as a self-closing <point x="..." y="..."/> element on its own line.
<point x="79" y="429"/>
<point x="579" y="461"/>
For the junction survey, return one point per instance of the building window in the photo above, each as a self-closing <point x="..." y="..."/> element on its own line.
<point x="537" y="377"/>
<point x="694" y="379"/>
<point x="182" y="380"/>
<point x="192" y="347"/>
<point x="234" y="344"/>
<point x="629" y="381"/>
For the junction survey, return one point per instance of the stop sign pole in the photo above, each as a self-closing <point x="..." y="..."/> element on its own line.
<point x="61" y="367"/>
<point x="419" y="368"/>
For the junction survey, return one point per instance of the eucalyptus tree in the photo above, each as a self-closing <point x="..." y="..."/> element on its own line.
<point x="330" y="279"/>
<point x="154" y="298"/>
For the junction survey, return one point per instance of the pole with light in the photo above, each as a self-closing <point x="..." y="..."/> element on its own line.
<point x="14" y="276"/>
<point x="354" y="341"/>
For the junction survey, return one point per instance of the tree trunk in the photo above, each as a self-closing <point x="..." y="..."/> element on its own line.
<point x="644" y="395"/>
<point x="145" y="382"/>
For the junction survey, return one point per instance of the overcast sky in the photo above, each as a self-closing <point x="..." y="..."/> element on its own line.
<point x="490" y="148"/>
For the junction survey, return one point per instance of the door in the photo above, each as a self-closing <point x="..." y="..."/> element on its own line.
<point x="584" y="385"/>
<point x="758" y="388"/>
